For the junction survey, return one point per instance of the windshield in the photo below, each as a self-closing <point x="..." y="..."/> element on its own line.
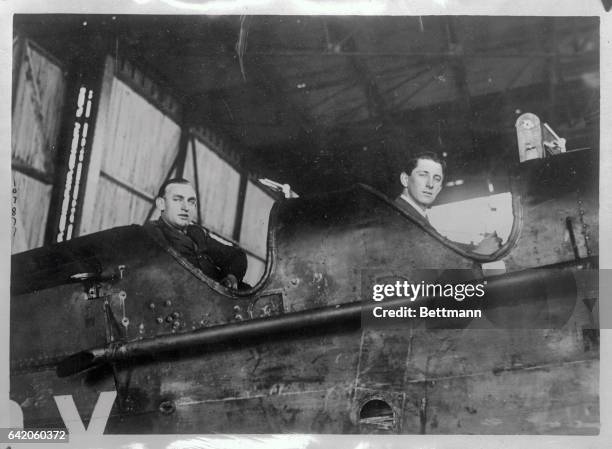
<point x="471" y="221"/>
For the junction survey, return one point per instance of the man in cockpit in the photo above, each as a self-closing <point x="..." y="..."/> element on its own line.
<point x="422" y="181"/>
<point x="177" y="204"/>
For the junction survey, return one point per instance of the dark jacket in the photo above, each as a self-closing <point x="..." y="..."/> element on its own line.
<point x="410" y="210"/>
<point x="215" y="259"/>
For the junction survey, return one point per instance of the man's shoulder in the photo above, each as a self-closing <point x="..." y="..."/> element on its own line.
<point x="201" y="234"/>
<point x="154" y="229"/>
<point x="406" y="206"/>
<point x="197" y="228"/>
<point x="157" y="227"/>
<point x="159" y="224"/>
<point x="151" y="224"/>
<point x="410" y="210"/>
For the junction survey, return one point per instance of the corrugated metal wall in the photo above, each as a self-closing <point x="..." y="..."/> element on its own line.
<point x="39" y="93"/>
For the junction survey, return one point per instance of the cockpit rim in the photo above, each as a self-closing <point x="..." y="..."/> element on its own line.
<point x="517" y="213"/>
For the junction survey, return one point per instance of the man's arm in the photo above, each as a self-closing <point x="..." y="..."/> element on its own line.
<point x="231" y="261"/>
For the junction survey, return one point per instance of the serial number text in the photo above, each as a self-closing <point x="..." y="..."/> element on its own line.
<point x="42" y="435"/>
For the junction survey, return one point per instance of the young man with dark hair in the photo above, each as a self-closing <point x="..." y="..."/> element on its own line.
<point x="422" y="181"/>
<point x="177" y="204"/>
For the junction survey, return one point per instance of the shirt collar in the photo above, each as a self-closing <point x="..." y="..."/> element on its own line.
<point x="420" y="209"/>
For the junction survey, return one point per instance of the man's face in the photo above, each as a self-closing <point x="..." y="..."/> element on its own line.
<point x="178" y="206"/>
<point x="425" y="181"/>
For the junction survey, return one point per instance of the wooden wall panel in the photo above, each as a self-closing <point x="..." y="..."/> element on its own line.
<point x="37" y="110"/>
<point x="37" y="113"/>
<point x="218" y="184"/>
<point x="142" y="142"/>
<point x="134" y="147"/>
<point x="32" y="201"/>
<point x="116" y="206"/>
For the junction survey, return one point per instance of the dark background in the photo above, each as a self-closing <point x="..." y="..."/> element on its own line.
<point x="322" y="102"/>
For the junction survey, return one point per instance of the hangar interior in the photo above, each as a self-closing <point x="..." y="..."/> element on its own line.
<point x="105" y="107"/>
